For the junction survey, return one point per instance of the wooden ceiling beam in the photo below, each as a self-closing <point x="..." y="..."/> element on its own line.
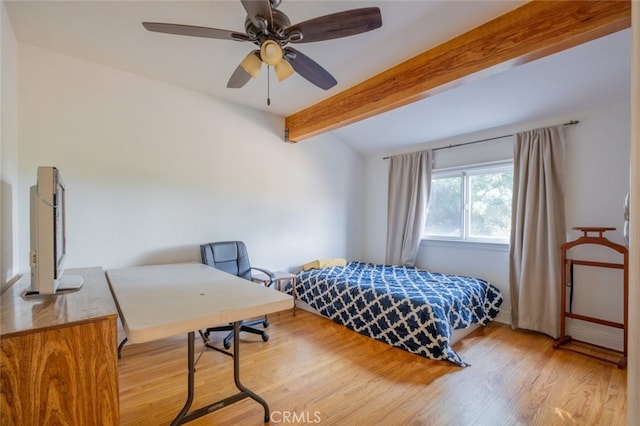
<point x="534" y="30"/>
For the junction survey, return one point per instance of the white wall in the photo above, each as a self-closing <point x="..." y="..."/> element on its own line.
<point x="8" y="152"/>
<point x="153" y="170"/>
<point x="597" y="179"/>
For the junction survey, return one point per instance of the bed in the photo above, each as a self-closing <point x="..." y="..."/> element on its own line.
<point x="410" y="308"/>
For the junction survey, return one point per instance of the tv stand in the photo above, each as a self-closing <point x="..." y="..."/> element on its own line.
<point x="66" y="284"/>
<point x="69" y="283"/>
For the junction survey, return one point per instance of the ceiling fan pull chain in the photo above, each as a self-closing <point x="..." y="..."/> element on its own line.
<point x="268" y="92"/>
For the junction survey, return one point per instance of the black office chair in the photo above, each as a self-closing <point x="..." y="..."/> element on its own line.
<point x="232" y="257"/>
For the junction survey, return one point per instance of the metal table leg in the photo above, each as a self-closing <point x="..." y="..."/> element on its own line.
<point x="120" y="346"/>
<point x="185" y="416"/>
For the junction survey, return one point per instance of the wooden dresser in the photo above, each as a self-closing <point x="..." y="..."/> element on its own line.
<point x="58" y="363"/>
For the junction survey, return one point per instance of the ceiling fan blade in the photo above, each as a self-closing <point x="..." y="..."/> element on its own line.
<point x="259" y="11"/>
<point x="239" y="78"/>
<point x="309" y="69"/>
<point x="190" y="30"/>
<point x="336" y="25"/>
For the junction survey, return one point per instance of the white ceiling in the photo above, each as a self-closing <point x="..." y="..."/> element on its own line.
<point x="110" y="33"/>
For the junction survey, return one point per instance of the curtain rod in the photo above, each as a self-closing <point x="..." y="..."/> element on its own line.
<point x="569" y="123"/>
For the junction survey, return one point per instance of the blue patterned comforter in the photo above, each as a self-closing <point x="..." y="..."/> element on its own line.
<point x="409" y="308"/>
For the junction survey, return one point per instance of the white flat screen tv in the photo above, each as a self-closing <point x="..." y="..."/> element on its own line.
<point x="48" y="235"/>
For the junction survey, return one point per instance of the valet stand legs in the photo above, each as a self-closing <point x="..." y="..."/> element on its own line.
<point x="184" y="415"/>
<point x="564" y="340"/>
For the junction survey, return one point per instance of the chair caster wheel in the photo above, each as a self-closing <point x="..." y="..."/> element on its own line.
<point x="226" y="345"/>
<point x="265" y="337"/>
<point x="265" y="324"/>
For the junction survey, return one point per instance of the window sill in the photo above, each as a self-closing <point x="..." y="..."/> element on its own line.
<point x="480" y="245"/>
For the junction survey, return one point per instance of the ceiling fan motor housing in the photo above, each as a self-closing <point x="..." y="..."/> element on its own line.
<point x="262" y="31"/>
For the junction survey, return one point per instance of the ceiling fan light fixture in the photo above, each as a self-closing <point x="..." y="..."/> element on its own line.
<point x="283" y="70"/>
<point x="271" y="31"/>
<point x="252" y="64"/>
<point x="270" y="52"/>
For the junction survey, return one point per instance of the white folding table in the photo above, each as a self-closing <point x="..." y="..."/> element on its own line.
<point x="160" y="301"/>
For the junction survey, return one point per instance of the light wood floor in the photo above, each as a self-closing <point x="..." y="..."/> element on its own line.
<point x="313" y="371"/>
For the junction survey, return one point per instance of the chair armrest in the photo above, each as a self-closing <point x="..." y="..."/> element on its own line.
<point x="272" y="277"/>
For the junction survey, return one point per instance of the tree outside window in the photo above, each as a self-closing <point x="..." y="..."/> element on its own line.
<point x="471" y="204"/>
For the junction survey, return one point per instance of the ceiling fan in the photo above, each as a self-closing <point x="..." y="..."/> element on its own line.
<point x="270" y="30"/>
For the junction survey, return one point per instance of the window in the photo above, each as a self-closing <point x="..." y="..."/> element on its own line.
<point x="471" y="204"/>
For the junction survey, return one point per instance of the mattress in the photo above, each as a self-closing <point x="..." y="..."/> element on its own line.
<point x="407" y="307"/>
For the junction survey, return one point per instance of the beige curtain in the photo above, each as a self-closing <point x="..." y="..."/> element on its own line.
<point x="537" y="230"/>
<point x="409" y="187"/>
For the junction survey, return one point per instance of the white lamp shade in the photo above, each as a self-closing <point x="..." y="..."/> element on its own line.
<point x="283" y="70"/>
<point x="252" y="64"/>
<point x="270" y="52"/>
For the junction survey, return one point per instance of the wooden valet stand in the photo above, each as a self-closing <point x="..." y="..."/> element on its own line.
<point x="567" y="281"/>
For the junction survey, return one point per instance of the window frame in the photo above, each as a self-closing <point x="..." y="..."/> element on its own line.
<point x="465" y="221"/>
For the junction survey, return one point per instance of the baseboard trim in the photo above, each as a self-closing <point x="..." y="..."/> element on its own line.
<point x="504" y="317"/>
<point x="607" y="337"/>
